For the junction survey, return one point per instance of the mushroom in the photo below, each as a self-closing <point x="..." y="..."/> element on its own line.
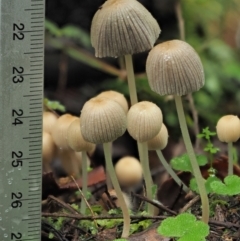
<point x="48" y="151"/>
<point x="103" y="121"/>
<point x="228" y="130"/>
<point x="59" y="130"/>
<point x="49" y="120"/>
<point x="122" y="28"/>
<point x="158" y="143"/>
<point x="174" y="68"/>
<point x="144" y="121"/>
<point x="70" y="161"/>
<point x="116" y="96"/>
<point x="128" y="171"/>
<point x="77" y="143"/>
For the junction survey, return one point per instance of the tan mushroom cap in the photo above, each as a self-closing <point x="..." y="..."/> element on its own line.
<point x="48" y="151"/>
<point x="174" y="68"/>
<point x="75" y="139"/>
<point x="228" y="128"/>
<point x="70" y="161"/>
<point x="59" y="131"/>
<point x="116" y="96"/>
<point x="122" y="27"/>
<point x="144" y="121"/>
<point x="159" y="142"/>
<point x="49" y="120"/>
<point x="102" y="120"/>
<point x="129" y="171"/>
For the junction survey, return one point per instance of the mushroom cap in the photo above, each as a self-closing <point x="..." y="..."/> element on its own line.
<point x="174" y="68"/>
<point x="122" y="27"/>
<point x="159" y="142"/>
<point x="228" y="128"/>
<point x="144" y="121"/>
<point x="116" y="96"/>
<point x="70" y="161"/>
<point x="59" y="131"/>
<point x="102" y="120"/>
<point x="75" y="139"/>
<point x="128" y="171"/>
<point x="48" y="149"/>
<point x="49" y="120"/>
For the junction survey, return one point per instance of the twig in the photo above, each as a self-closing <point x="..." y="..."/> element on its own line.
<point x="79" y="217"/>
<point x="62" y="204"/>
<point x="158" y="205"/>
<point x="178" y="10"/>
<point x="195" y="120"/>
<point x="51" y="229"/>
<point x="63" y="70"/>
<point x="189" y="204"/>
<point x="224" y="224"/>
<point x="84" y="199"/>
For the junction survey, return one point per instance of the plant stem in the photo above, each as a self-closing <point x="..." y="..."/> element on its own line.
<point x="131" y="79"/>
<point x="112" y="174"/>
<point x="170" y="171"/>
<point x="193" y="160"/>
<point x="230" y="158"/>
<point x="84" y="181"/>
<point x="146" y="174"/>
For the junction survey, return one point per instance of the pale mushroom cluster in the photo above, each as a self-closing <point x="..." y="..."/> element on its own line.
<point x="123" y="28"/>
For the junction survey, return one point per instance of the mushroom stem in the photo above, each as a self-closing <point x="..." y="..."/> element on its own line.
<point x="112" y="174"/>
<point x="230" y="158"/>
<point x="170" y="171"/>
<point x="131" y="79"/>
<point x="108" y="181"/>
<point x="143" y="152"/>
<point x="84" y="181"/>
<point x="193" y="160"/>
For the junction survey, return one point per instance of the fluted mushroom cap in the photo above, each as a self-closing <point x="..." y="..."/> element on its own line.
<point x="228" y="128"/>
<point x="159" y="142"/>
<point x="116" y="96"/>
<point x="102" y="120"/>
<point x="174" y="68"/>
<point x="144" y="121"/>
<point x="122" y="27"/>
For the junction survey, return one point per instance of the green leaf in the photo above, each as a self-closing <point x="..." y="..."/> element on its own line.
<point x="184" y="226"/>
<point x="154" y="191"/>
<point x="52" y="28"/>
<point x="78" y="34"/>
<point x="54" y="105"/>
<point x="182" y="163"/>
<point x="194" y="187"/>
<point x="120" y="239"/>
<point x="50" y="235"/>
<point x="231" y="186"/>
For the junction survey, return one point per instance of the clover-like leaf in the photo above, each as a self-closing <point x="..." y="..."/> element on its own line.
<point x="182" y="163"/>
<point x="194" y="187"/>
<point x="185" y="227"/>
<point x="231" y="186"/>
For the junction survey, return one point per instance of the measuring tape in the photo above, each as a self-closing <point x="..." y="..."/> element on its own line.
<point x="21" y="103"/>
